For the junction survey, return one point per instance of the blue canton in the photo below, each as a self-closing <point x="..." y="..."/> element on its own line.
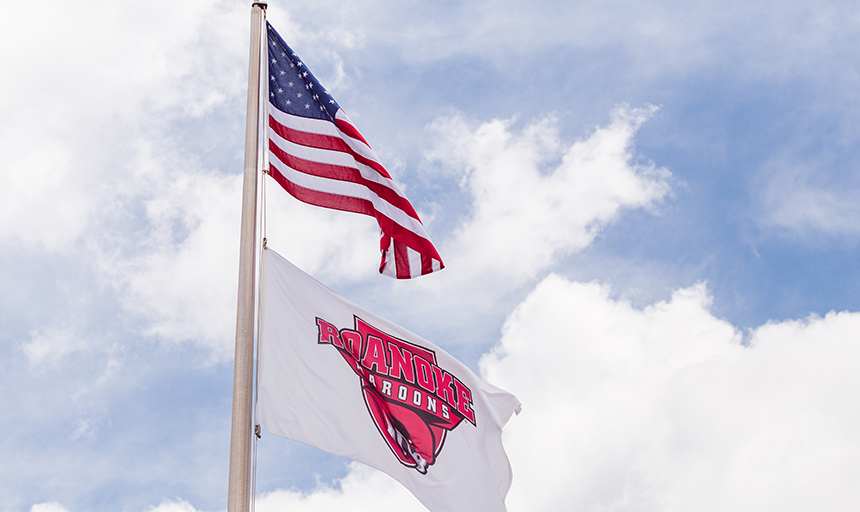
<point x="292" y="87"/>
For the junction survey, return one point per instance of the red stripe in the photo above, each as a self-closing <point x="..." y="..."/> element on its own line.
<point x="308" y="138"/>
<point x="383" y="262"/>
<point x="401" y="260"/>
<point x="426" y="264"/>
<point x="329" y="142"/>
<point x="350" y="130"/>
<point x="324" y="199"/>
<point x="339" y="172"/>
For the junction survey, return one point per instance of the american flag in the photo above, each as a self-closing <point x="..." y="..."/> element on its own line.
<point x="319" y="157"/>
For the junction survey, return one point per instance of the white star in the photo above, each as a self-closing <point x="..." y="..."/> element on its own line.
<point x="289" y="102"/>
<point x="283" y="54"/>
<point x="280" y="90"/>
<point x="316" y="97"/>
<point x="274" y="61"/>
<point x="273" y="43"/>
<point x="300" y="63"/>
<point x="283" y="72"/>
<point x="311" y="85"/>
<point x="290" y="84"/>
<point x="305" y="73"/>
<point x="272" y="94"/>
<point x="307" y="105"/>
<point x="299" y="95"/>
<point x="292" y="65"/>
<point x="273" y="77"/>
<point x="331" y="101"/>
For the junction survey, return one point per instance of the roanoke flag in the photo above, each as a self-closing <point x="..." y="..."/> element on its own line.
<point x="319" y="157"/>
<point x="342" y="379"/>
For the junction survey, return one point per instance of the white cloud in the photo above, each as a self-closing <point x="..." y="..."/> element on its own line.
<point x="183" y="282"/>
<point x="533" y="198"/>
<point x="41" y="199"/>
<point x="363" y="489"/>
<point x="763" y="39"/>
<point x="88" y="140"/>
<point x="664" y="408"/>
<point x="802" y="198"/>
<point x="177" y="505"/>
<point x="66" y="126"/>
<point x="50" y="344"/>
<point x="49" y="506"/>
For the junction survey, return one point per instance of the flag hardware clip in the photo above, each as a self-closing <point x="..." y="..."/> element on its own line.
<point x="257" y="431"/>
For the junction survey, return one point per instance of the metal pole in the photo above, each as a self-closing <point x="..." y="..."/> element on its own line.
<point x="239" y="487"/>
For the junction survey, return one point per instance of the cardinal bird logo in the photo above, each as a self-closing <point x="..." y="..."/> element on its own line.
<point x="411" y="399"/>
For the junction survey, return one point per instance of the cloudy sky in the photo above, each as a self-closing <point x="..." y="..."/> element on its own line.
<point x="649" y="212"/>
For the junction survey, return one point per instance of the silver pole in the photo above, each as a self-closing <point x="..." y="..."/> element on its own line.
<point x="239" y="487"/>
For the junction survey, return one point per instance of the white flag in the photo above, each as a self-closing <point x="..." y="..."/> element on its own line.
<point x="344" y="380"/>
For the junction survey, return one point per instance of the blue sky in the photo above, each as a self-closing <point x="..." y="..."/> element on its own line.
<point x="661" y="194"/>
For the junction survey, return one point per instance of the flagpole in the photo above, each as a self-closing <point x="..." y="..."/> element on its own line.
<point x="239" y="487"/>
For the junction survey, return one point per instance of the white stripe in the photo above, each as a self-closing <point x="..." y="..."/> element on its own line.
<point x="391" y="262"/>
<point x="305" y="124"/>
<point x="350" y="189"/>
<point x="390" y="269"/>
<point x="322" y="127"/>
<point x="327" y="156"/>
<point x="414" y="259"/>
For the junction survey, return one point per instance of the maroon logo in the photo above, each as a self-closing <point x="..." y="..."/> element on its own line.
<point x="413" y="402"/>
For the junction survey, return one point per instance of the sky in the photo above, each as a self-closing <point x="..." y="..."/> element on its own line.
<point x="648" y="213"/>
